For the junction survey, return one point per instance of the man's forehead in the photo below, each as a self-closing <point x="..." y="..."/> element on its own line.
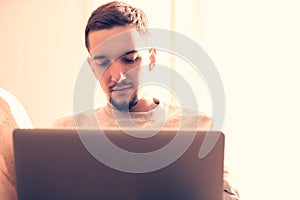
<point x="113" y="50"/>
<point x="100" y="56"/>
<point x="113" y="42"/>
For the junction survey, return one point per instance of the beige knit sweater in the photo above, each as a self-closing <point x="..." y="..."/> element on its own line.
<point x="163" y="116"/>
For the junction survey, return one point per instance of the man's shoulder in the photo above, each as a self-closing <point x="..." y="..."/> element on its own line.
<point x="64" y="121"/>
<point x="185" y="112"/>
<point x="85" y="118"/>
<point x="189" y="117"/>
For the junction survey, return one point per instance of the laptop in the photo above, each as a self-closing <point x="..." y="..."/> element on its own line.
<point x="64" y="164"/>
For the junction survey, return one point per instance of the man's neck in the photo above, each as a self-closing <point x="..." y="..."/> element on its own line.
<point x="145" y="105"/>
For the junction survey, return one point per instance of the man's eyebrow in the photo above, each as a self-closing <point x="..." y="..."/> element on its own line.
<point x="99" y="57"/>
<point x="129" y="52"/>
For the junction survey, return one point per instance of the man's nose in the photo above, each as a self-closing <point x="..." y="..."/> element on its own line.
<point x="118" y="72"/>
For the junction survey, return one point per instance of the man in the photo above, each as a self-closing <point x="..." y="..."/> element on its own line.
<point x="111" y="37"/>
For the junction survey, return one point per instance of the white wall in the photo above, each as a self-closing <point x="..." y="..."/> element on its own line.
<point x="42" y="47"/>
<point x="255" y="45"/>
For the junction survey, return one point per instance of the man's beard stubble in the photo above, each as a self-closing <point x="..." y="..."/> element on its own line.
<point x="124" y="106"/>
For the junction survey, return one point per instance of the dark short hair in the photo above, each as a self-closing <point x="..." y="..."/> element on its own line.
<point x="115" y="14"/>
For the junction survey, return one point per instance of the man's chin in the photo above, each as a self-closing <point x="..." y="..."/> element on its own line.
<point x="120" y="106"/>
<point x="123" y="106"/>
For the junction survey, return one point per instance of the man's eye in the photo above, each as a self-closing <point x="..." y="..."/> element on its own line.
<point x="130" y="60"/>
<point x="104" y="63"/>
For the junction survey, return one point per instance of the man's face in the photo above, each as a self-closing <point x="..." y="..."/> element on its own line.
<point x="115" y="63"/>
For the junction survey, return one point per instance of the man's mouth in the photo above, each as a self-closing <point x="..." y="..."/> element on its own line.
<point x="121" y="90"/>
<point x="121" y="87"/>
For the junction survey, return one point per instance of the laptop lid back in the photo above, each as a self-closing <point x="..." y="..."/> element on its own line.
<point x="60" y="164"/>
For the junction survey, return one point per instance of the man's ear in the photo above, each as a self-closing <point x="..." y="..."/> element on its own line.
<point x="152" y="58"/>
<point x="90" y="61"/>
